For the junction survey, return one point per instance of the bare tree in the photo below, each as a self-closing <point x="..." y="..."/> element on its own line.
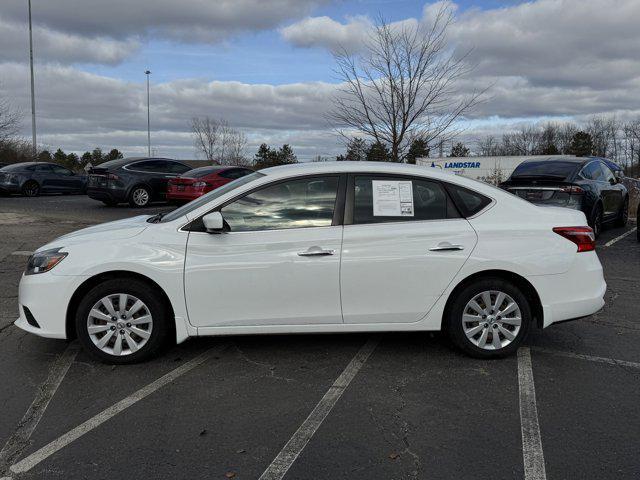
<point x="405" y="85"/>
<point x="218" y="142"/>
<point x="10" y="119"/>
<point x="206" y="136"/>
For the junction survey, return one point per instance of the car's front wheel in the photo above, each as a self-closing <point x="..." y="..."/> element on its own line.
<point x="122" y="322"/>
<point x="488" y="318"/>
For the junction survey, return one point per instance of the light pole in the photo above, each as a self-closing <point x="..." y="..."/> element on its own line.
<point x="147" y="73"/>
<point x="33" y="96"/>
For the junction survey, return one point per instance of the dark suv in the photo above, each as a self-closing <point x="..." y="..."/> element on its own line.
<point x="136" y="180"/>
<point x="583" y="183"/>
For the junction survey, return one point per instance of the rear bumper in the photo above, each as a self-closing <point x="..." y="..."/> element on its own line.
<point x="577" y="293"/>
<point x="187" y="196"/>
<point x="107" y="195"/>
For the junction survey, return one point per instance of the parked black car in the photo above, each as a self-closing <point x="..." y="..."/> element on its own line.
<point x="33" y="178"/>
<point x="136" y="180"/>
<point x="583" y="183"/>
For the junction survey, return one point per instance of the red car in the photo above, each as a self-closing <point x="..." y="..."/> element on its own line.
<point x="195" y="183"/>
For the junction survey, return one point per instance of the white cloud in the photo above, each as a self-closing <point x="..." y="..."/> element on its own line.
<point x="62" y="47"/>
<point x="183" y="20"/>
<point x="328" y="33"/>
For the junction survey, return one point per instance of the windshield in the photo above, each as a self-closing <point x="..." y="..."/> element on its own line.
<point x="218" y="192"/>
<point x="545" y="168"/>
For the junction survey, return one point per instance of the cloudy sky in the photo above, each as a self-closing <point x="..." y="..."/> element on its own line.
<point x="266" y="66"/>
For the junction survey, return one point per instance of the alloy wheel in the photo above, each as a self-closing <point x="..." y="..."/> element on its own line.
<point x="119" y="324"/>
<point x="31" y="189"/>
<point x="140" y="197"/>
<point x="491" y="320"/>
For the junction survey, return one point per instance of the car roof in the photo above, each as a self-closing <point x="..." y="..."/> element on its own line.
<point x="125" y="161"/>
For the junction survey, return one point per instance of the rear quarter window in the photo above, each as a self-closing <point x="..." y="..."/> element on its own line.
<point x="469" y="202"/>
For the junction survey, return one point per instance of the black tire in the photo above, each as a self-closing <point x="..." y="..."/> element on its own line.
<point x="453" y="321"/>
<point x="623" y="216"/>
<point x="595" y="221"/>
<point x="31" y="188"/>
<point x="160" y="333"/>
<point x="137" y="194"/>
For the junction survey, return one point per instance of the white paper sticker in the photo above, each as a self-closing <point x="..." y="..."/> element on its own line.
<point x="392" y="198"/>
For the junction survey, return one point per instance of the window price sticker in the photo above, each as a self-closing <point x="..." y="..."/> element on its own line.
<point x="392" y="198"/>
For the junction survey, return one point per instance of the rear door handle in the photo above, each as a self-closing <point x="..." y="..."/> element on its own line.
<point x="446" y="246"/>
<point x="316" y="251"/>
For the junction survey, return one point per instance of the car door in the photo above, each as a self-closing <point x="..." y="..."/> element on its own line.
<point x="612" y="192"/>
<point x="403" y="243"/>
<point x="278" y="264"/>
<point x="64" y="179"/>
<point x="44" y="176"/>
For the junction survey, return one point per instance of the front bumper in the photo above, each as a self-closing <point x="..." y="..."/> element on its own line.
<point x="577" y="293"/>
<point x="47" y="296"/>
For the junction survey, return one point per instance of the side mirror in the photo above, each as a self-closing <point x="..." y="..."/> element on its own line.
<point x="619" y="176"/>
<point x="213" y="222"/>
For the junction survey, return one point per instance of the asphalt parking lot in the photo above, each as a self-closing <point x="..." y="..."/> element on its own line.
<point x="389" y="406"/>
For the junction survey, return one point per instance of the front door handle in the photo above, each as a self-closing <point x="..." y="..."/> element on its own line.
<point x="446" y="246"/>
<point x="316" y="251"/>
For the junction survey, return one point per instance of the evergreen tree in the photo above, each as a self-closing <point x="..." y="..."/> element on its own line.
<point x="378" y="152"/>
<point x="459" y="150"/>
<point x="356" y="150"/>
<point x="96" y="156"/>
<point x="417" y="149"/>
<point x="286" y="155"/>
<point x="581" y="144"/>
<point x="114" y="154"/>
<point x="44" y="156"/>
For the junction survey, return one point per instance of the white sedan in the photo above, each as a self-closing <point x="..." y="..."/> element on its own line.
<point x="332" y="247"/>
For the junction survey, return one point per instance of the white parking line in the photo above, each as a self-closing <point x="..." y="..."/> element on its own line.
<point x="532" y="454"/>
<point x="299" y="440"/>
<point x="22" y="253"/>
<point x="38" y="456"/>
<point x="20" y="438"/>
<point x="591" y="358"/>
<point x="620" y="237"/>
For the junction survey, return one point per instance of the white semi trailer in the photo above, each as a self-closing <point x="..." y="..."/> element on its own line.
<point x="487" y="169"/>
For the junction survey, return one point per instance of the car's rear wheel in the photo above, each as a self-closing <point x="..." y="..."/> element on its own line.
<point x="31" y="189"/>
<point x="140" y="196"/>
<point x="122" y="322"/>
<point x="623" y="216"/>
<point x="596" y="220"/>
<point x="488" y="318"/>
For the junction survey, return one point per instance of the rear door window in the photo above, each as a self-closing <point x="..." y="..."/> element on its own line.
<point x="378" y="199"/>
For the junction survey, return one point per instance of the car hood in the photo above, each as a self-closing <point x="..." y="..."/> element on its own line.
<point x="119" y="229"/>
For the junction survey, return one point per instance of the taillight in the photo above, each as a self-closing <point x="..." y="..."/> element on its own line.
<point x="200" y="184"/>
<point x="573" y="190"/>
<point x="583" y="237"/>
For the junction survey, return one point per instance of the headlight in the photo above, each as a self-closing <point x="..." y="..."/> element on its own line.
<point x="44" y="261"/>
